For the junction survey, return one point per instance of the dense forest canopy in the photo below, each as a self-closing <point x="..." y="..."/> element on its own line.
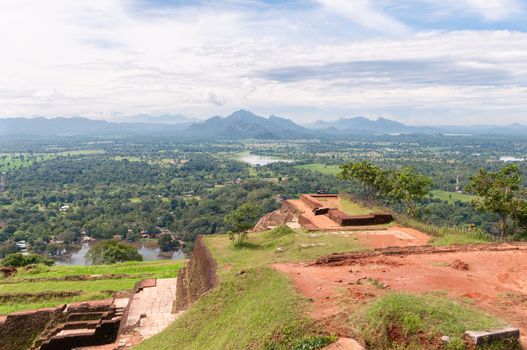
<point x="56" y="191"/>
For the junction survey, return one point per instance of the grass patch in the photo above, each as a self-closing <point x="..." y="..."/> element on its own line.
<point x="255" y="307"/>
<point x="278" y="245"/>
<point x="403" y="321"/>
<point x="354" y="208"/>
<point x="445" y="235"/>
<point x="255" y="310"/>
<point x="91" y="289"/>
<point x="452" y="197"/>
<point x="459" y="239"/>
<point x="321" y="168"/>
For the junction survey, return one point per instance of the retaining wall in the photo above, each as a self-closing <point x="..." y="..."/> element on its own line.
<point x="197" y="278"/>
<point x="19" y="330"/>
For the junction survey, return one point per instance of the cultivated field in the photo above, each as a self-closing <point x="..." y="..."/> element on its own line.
<point x="42" y="286"/>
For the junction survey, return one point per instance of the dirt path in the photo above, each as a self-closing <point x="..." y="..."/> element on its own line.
<point x="395" y="236"/>
<point x="493" y="280"/>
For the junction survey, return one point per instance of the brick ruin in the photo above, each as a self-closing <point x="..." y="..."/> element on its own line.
<point x="77" y="324"/>
<point x="313" y="201"/>
<point x="69" y="326"/>
<point x="197" y="278"/>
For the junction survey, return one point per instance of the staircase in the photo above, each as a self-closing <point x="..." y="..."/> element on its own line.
<point x="83" y="325"/>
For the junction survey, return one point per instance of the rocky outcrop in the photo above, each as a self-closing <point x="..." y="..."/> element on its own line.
<point x="197" y="278"/>
<point x="288" y="213"/>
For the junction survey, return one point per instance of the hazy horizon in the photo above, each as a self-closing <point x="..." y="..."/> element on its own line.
<point x="129" y="119"/>
<point x="418" y="62"/>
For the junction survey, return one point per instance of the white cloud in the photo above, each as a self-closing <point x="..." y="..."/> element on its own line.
<point x="363" y="13"/>
<point x="494" y="10"/>
<point x="488" y="10"/>
<point x="97" y="58"/>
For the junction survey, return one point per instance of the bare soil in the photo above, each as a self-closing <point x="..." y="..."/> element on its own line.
<point x="490" y="277"/>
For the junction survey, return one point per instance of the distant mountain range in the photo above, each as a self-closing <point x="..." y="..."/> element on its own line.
<point x="361" y="124"/>
<point x="79" y="126"/>
<point x="241" y="124"/>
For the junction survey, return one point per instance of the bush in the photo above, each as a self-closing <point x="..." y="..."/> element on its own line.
<point x="111" y="252"/>
<point x="278" y="232"/>
<point x="19" y="260"/>
<point x="314" y="342"/>
<point x="403" y="321"/>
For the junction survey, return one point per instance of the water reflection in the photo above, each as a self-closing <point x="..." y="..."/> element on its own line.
<point x="257" y="160"/>
<point x="78" y="256"/>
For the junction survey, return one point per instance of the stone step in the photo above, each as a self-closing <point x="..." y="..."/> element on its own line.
<point x="80" y="324"/>
<point x="75" y="332"/>
<point x="82" y="316"/>
<point x="481" y="338"/>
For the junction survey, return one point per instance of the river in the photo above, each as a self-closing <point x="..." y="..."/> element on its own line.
<point x="78" y="257"/>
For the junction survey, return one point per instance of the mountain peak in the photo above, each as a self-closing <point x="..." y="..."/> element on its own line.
<point x="245" y="124"/>
<point x="242" y="114"/>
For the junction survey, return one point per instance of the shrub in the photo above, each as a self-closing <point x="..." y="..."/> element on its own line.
<point x="404" y="321"/>
<point x="278" y="232"/>
<point x="19" y="260"/>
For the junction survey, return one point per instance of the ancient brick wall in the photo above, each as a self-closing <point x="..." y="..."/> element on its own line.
<point x="311" y="202"/>
<point x="197" y="278"/>
<point x="344" y="219"/>
<point x="305" y="222"/>
<point x="19" y="330"/>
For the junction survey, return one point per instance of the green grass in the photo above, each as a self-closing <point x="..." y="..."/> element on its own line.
<point x="17" y="161"/>
<point x="266" y="248"/>
<point x="354" y="208"/>
<point x="403" y="321"/>
<point x="256" y="309"/>
<point x="460" y="239"/>
<point x="91" y="289"/>
<point x="12" y="161"/>
<point x="452" y="197"/>
<point x="445" y="235"/>
<point x="321" y="168"/>
<point x="245" y="312"/>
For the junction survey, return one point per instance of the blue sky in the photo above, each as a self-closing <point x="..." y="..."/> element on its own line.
<point x="416" y="61"/>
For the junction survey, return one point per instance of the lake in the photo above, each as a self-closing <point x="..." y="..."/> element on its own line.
<point x="257" y="160"/>
<point x="511" y="159"/>
<point x="78" y="257"/>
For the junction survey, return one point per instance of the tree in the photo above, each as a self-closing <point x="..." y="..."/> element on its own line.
<point x="167" y="243"/>
<point x="497" y="192"/>
<point x="407" y="186"/>
<point x="520" y="212"/>
<point x="241" y="220"/>
<point x="8" y="247"/>
<point x="111" y="252"/>
<point x="372" y="177"/>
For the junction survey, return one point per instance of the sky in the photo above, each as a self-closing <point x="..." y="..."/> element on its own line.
<point x="416" y="61"/>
